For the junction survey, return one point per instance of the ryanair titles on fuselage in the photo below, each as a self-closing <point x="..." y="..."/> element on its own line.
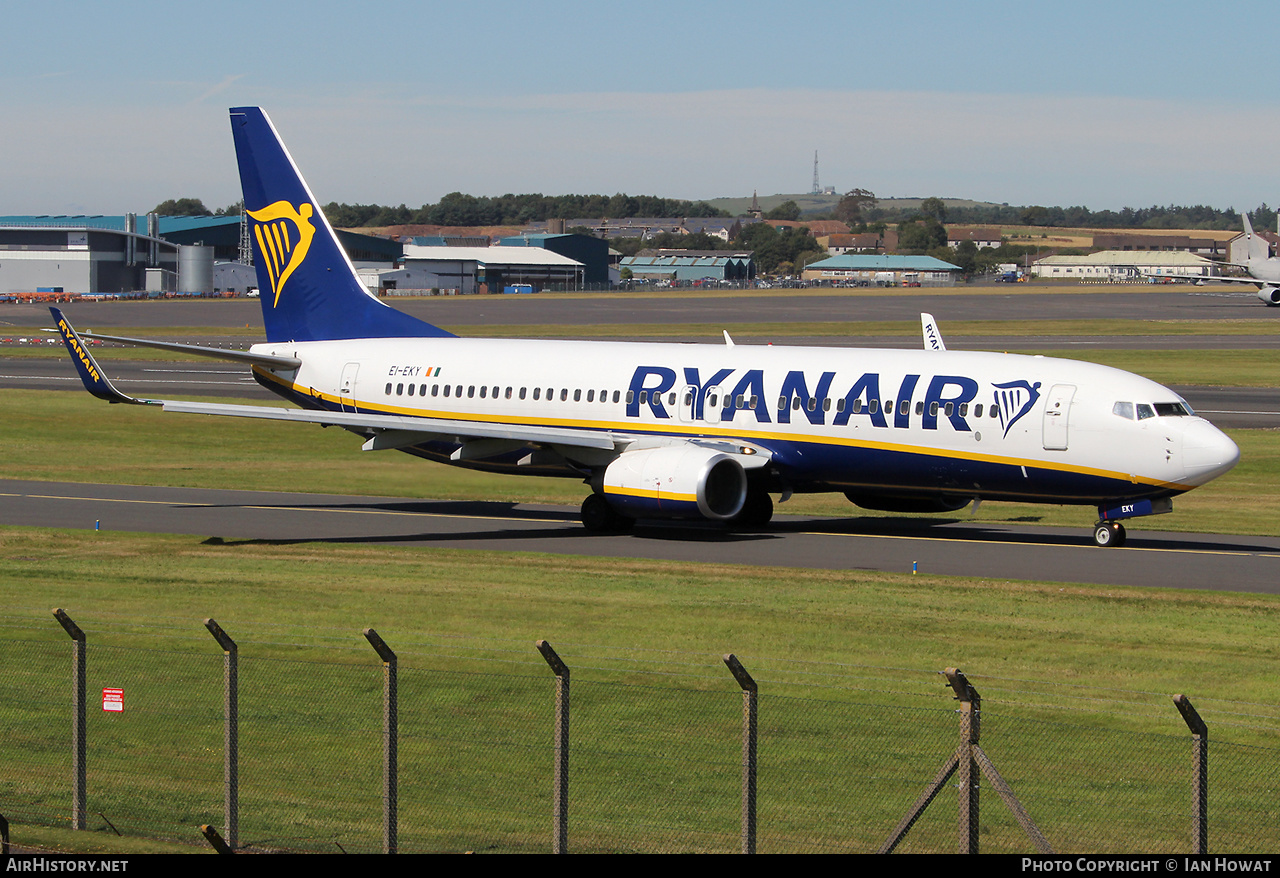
<point x="945" y="396"/>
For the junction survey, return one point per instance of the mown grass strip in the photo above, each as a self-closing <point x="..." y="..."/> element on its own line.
<point x="1072" y="677"/>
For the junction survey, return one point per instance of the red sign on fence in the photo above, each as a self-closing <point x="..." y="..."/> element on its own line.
<point x="113" y="700"/>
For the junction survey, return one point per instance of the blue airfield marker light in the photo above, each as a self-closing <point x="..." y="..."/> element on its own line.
<point x="913" y="567"/>
<point x="97" y="524"/>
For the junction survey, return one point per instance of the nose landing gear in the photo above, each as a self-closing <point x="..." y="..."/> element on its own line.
<point x="1109" y="533"/>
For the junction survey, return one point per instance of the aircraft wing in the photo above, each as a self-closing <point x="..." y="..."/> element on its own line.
<point x="422" y="428"/>
<point x="390" y="431"/>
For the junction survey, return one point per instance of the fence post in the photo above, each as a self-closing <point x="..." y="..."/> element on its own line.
<point x="969" y="760"/>
<point x="390" y="738"/>
<point x="216" y="841"/>
<point x="970" y="726"/>
<point x="560" y="792"/>
<point x="78" y="803"/>
<point x="230" y="733"/>
<point x="1199" y="772"/>
<point x="750" y="696"/>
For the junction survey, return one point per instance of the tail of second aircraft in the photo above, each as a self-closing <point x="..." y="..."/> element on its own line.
<point x="1256" y="248"/>
<point x="309" y="288"/>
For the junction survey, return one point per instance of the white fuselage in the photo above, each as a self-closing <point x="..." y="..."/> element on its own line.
<point x="1266" y="269"/>
<point x="862" y="421"/>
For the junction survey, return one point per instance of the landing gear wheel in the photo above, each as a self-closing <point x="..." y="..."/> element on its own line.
<point x="599" y="517"/>
<point x="757" y="511"/>
<point x="1109" y="533"/>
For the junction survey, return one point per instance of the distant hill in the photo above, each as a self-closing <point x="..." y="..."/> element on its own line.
<point x="814" y="204"/>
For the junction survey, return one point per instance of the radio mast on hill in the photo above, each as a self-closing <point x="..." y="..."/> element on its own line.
<point x="816" y="189"/>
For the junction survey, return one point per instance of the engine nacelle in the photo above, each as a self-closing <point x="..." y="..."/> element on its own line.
<point x="1270" y="295"/>
<point x="678" y="481"/>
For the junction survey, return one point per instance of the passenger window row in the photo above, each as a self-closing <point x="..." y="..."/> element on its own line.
<point x="740" y="401"/>
<point x="495" y="392"/>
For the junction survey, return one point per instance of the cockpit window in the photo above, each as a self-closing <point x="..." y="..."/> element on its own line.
<point x="1145" y="411"/>
<point x="1172" y="410"/>
<point x="1123" y="409"/>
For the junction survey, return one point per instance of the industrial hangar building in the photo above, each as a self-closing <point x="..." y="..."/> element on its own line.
<point x="82" y="254"/>
<point x="1111" y="266"/>
<point x="469" y="270"/>
<point x="691" y="265"/>
<point x="108" y="255"/>
<point x="873" y="269"/>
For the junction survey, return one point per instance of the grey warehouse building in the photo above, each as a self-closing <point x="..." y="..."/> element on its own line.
<point x="80" y="258"/>
<point x="106" y="254"/>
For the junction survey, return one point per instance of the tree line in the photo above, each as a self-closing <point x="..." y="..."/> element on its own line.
<point x="460" y="209"/>
<point x="1171" y="216"/>
<point x="858" y="208"/>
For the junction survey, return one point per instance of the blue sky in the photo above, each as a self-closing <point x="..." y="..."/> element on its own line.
<point x="111" y="108"/>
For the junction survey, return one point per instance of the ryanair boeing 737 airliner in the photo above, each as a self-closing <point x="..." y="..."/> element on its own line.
<point x="684" y="431"/>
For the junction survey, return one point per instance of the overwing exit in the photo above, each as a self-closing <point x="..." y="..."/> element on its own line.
<point x="687" y="432"/>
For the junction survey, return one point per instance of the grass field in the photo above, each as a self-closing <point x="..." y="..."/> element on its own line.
<point x="1080" y="672"/>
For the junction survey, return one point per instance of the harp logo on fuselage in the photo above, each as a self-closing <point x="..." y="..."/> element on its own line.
<point x="283" y="234"/>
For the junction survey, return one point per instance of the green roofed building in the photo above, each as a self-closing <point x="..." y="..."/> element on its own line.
<point x="869" y="269"/>
<point x="692" y="265"/>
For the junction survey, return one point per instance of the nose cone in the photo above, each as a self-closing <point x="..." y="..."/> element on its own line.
<point x="1207" y="452"/>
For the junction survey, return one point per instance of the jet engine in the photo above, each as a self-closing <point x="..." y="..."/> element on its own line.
<point x="1270" y="295"/>
<point x="676" y="481"/>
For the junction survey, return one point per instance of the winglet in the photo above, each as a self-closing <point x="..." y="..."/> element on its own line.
<point x="95" y="381"/>
<point x="932" y="337"/>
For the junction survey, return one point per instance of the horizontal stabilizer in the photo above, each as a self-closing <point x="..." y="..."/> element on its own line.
<point x="267" y="360"/>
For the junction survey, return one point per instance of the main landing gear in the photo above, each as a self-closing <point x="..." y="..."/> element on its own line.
<point x="599" y="517"/>
<point x="756" y="512"/>
<point x="1109" y="533"/>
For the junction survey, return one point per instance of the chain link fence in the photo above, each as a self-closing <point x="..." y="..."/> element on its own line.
<point x="656" y="756"/>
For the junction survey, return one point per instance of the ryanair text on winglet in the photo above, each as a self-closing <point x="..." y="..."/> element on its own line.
<point x="74" y="344"/>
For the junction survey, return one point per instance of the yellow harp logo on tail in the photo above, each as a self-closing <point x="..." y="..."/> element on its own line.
<point x="284" y="236"/>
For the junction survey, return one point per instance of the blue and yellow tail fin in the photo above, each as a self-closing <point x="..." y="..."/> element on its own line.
<point x="309" y="288"/>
